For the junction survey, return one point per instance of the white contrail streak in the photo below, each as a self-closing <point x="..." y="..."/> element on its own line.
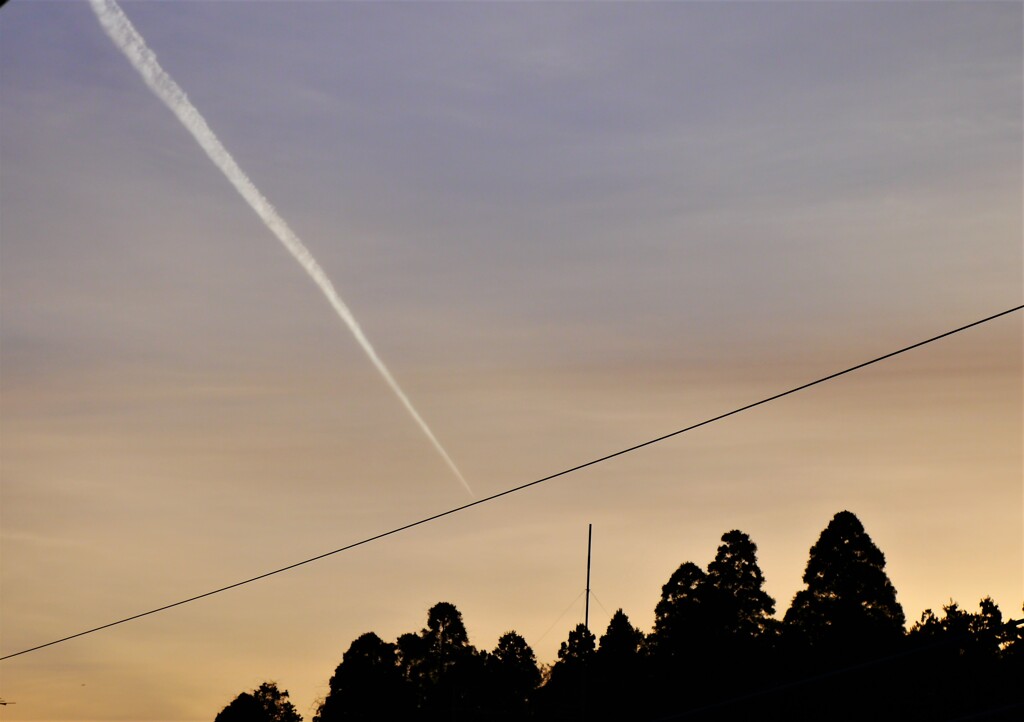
<point x="131" y="43"/>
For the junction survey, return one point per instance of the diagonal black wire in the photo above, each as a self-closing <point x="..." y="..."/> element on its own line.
<point x="515" y="489"/>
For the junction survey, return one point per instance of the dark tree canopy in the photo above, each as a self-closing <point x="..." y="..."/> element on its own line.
<point x="445" y="633"/>
<point x="715" y="653"/>
<point x="515" y="661"/>
<point x="736" y="588"/>
<point x="680" y="616"/>
<point x="579" y="648"/>
<point x="411" y="650"/>
<point x="981" y="635"/>
<point x="243" y="708"/>
<point x="964" y="661"/>
<point x="445" y="642"/>
<point x="619" y="669"/>
<point x="565" y="692"/>
<point x="512" y="676"/>
<point x="621" y="642"/>
<point x="266" y="703"/>
<point x="445" y="671"/>
<point x="849" y="600"/>
<point x="367" y="683"/>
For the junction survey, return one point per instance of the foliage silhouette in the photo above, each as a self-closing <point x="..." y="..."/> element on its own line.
<point x="512" y="677"/>
<point x="742" y="609"/>
<point x="564" y="695"/>
<point x="966" y="661"/>
<point x="849" y="605"/>
<point x="266" y="703"/>
<point x="367" y="684"/>
<point x="716" y="652"/>
<point x="679" y="617"/>
<point x="446" y="672"/>
<point x="619" y="667"/>
<point x="709" y="622"/>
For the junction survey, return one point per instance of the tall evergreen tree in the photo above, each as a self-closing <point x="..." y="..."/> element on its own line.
<point x="680" y="616"/>
<point x="849" y="601"/>
<point x="445" y="636"/>
<point x="742" y="610"/>
<point x="564" y="696"/>
<point x="445" y="670"/>
<point x="578" y="649"/>
<point x="619" y="669"/>
<point x="621" y="642"/>
<point x="512" y="676"/>
<point x="367" y="685"/>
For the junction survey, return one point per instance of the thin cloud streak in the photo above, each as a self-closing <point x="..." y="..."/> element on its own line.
<point x="124" y="35"/>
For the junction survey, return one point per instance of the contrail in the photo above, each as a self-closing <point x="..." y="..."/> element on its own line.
<point x="132" y="44"/>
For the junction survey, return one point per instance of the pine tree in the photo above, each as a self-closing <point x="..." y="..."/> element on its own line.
<point x="680" y="618"/>
<point x="741" y="608"/>
<point x="849" y="601"/>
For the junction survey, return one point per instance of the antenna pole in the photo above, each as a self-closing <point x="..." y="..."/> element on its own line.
<point x="586" y="617"/>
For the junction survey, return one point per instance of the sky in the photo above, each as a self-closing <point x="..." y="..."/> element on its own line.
<point x="567" y="228"/>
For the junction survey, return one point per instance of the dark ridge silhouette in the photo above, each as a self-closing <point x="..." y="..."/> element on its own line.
<point x="716" y="652"/>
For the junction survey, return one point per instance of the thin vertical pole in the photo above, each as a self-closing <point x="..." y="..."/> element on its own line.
<point x="586" y="618"/>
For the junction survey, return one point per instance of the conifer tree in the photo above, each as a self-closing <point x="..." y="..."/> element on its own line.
<point x="849" y="601"/>
<point x="742" y="610"/>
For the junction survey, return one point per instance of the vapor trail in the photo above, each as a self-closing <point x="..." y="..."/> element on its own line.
<point x="132" y="44"/>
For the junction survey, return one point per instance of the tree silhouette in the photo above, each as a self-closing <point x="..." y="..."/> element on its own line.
<point x="708" y="622"/>
<point x="621" y="643"/>
<point x="963" y="665"/>
<point x="1013" y="642"/>
<point x="565" y="694"/>
<point x="619" y="669"/>
<point x="367" y="684"/>
<point x="445" y="634"/>
<point x="680" y="616"/>
<point x="266" y="703"/>
<point x="981" y="635"/>
<point x="512" y="677"/>
<point x="740" y="606"/>
<point x="243" y="708"/>
<point x="715" y="653"/>
<point x="444" y="670"/>
<point x="849" y="603"/>
<point x="578" y="650"/>
<point x="846" y="617"/>
<point x="411" y="650"/>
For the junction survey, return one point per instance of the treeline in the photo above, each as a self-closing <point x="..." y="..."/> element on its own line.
<point x="717" y="651"/>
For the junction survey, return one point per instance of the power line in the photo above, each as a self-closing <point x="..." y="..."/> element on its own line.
<point x="521" y="487"/>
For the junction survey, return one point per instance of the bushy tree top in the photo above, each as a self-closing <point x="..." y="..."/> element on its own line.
<point x="848" y="592"/>
<point x="579" y="648"/>
<point x="266" y="703"/>
<point x="736" y="582"/>
<point x="621" y="641"/>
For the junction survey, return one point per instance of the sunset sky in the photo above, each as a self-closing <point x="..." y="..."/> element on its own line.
<point x="567" y="228"/>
